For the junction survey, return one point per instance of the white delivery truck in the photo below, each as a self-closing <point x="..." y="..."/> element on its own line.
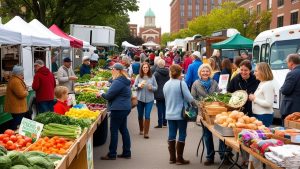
<point x="273" y="46"/>
<point x="96" y="35"/>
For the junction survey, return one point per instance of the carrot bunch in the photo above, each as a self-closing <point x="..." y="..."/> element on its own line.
<point x="54" y="145"/>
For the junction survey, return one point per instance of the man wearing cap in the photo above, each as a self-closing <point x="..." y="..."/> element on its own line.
<point x="43" y="85"/>
<point x="66" y="75"/>
<point x="192" y="72"/>
<point x="85" y="67"/>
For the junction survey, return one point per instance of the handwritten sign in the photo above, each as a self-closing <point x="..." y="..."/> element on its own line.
<point x="223" y="82"/>
<point x="30" y="128"/>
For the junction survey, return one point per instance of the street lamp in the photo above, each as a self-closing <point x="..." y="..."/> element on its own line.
<point x="245" y="25"/>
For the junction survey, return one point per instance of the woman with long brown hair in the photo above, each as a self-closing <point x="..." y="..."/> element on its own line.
<point x="146" y="85"/>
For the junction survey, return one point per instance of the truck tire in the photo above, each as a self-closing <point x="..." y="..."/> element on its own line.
<point x="100" y="134"/>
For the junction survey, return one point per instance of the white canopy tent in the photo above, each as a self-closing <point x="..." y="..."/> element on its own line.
<point x="128" y="45"/>
<point x="85" y="43"/>
<point x="150" y="44"/>
<point x="55" y="40"/>
<point x="9" y="37"/>
<point x="30" y="37"/>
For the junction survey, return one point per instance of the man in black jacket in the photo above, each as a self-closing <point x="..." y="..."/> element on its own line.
<point x="161" y="75"/>
<point x="291" y="87"/>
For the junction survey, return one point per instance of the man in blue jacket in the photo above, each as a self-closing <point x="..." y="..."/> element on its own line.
<point x="291" y="87"/>
<point x="192" y="72"/>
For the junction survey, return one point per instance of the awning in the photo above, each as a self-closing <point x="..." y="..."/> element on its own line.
<point x="75" y="43"/>
<point x="150" y="44"/>
<point x="30" y="37"/>
<point x="56" y="40"/>
<point x="235" y="42"/>
<point x="9" y="37"/>
<point x="128" y="45"/>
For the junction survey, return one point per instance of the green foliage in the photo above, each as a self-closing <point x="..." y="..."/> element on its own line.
<point x="90" y="98"/>
<point x="84" y="78"/>
<point x="229" y="15"/>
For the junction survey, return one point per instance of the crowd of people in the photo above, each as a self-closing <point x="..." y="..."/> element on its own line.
<point x="166" y="78"/>
<point x="171" y="81"/>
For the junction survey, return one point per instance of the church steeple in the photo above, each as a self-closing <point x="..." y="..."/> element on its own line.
<point x="150" y="18"/>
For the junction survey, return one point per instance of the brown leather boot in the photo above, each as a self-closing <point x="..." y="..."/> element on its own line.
<point x="172" y="151"/>
<point x="179" y="148"/>
<point x="146" y="128"/>
<point x="141" y="124"/>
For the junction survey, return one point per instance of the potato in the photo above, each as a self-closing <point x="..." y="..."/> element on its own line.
<point x="252" y="119"/>
<point x="218" y="116"/>
<point x="234" y="114"/>
<point x="224" y="124"/>
<point x="224" y="113"/>
<point x="252" y="126"/>
<point x="232" y="125"/>
<point x="258" y="123"/>
<point x="240" y="125"/>
<point x="229" y="120"/>
<point x="241" y="120"/>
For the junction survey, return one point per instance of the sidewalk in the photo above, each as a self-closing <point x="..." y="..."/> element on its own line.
<point x="153" y="153"/>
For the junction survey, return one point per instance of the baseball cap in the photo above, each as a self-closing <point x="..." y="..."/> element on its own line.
<point x="39" y="62"/>
<point x="67" y="59"/>
<point x="118" y="66"/>
<point x="85" y="58"/>
<point x="197" y="53"/>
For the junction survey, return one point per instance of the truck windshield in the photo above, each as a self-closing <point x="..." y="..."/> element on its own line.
<point x="280" y="50"/>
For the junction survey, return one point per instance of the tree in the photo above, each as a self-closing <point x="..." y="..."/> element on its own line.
<point x="137" y="41"/>
<point x="65" y="12"/>
<point x="165" y="37"/>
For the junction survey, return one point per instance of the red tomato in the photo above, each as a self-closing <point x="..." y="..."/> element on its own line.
<point x="13" y="138"/>
<point x="5" y="139"/>
<point x="9" y="143"/>
<point x="28" y="140"/>
<point x="12" y="147"/>
<point x="2" y="136"/>
<point x="22" y="142"/>
<point x="19" y="137"/>
<point x="9" y="132"/>
<point x="28" y="144"/>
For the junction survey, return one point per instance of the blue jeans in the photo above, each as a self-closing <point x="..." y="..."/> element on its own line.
<point x="267" y="119"/>
<point x="175" y="125"/>
<point x="118" y="122"/>
<point x="161" y="112"/>
<point x="144" y="109"/>
<point x="45" y="106"/>
<point x="209" y="144"/>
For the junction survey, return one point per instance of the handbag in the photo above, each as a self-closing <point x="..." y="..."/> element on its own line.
<point x="190" y="112"/>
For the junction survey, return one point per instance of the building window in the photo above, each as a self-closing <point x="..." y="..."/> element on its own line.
<point x="250" y="10"/>
<point x="258" y="9"/>
<point x="190" y="12"/>
<point x="212" y="4"/>
<point x="181" y="20"/>
<point x="181" y="2"/>
<point x="294" y="1"/>
<point x="219" y="2"/>
<point x="181" y="10"/>
<point x="205" y="6"/>
<point x="294" y="18"/>
<point x="197" y="9"/>
<point x="279" y="21"/>
<point x="269" y="4"/>
<point x="280" y="3"/>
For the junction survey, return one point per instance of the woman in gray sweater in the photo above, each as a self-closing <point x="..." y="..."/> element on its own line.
<point x="146" y="85"/>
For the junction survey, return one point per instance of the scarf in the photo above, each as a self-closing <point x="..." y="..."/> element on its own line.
<point x="206" y="84"/>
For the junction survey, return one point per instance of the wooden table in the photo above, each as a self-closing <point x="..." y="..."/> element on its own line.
<point x="237" y="147"/>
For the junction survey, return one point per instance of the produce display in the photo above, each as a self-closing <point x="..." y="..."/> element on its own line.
<point x="50" y="117"/>
<point x="294" y="117"/>
<point x="84" y="78"/>
<point x="238" y="119"/>
<point x="102" y="75"/>
<point x="27" y="160"/>
<point x="83" y="113"/>
<point x="90" y="98"/>
<point x="96" y="106"/>
<point x="66" y="131"/>
<point x="54" y="145"/>
<point x="12" y="141"/>
<point x="218" y="97"/>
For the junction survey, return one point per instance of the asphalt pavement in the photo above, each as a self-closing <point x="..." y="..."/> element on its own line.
<point x="153" y="153"/>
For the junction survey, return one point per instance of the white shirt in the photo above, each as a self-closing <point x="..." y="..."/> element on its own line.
<point x="264" y="98"/>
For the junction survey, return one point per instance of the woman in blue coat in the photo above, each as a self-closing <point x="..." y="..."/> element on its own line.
<point x="119" y="104"/>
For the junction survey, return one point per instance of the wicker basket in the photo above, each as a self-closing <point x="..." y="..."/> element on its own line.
<point x="209" y="114"/>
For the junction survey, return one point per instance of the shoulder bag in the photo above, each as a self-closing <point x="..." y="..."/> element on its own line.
<point x="190" y="112"/>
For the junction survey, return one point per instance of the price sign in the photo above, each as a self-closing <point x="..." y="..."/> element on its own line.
<point x="30" y="128"/>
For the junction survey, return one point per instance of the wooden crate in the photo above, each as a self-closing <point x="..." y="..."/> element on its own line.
<point x="72" y="153"/>
<point x="62" y="163"/>
<point x="82" y="140"/>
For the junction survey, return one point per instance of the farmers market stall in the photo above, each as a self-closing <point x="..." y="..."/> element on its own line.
<point x="220" y="114"/>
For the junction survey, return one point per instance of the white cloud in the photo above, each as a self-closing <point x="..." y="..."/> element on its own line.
<point x="161" y="9"/>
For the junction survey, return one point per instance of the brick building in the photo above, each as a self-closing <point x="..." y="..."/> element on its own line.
<point x="284" y="12"/>
<point x="183" y="11"/>
<point x="150" y="32"/>
<point x="133" y="29"/>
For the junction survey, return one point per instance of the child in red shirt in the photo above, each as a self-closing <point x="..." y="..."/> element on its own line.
<point x="61" y="94"/>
